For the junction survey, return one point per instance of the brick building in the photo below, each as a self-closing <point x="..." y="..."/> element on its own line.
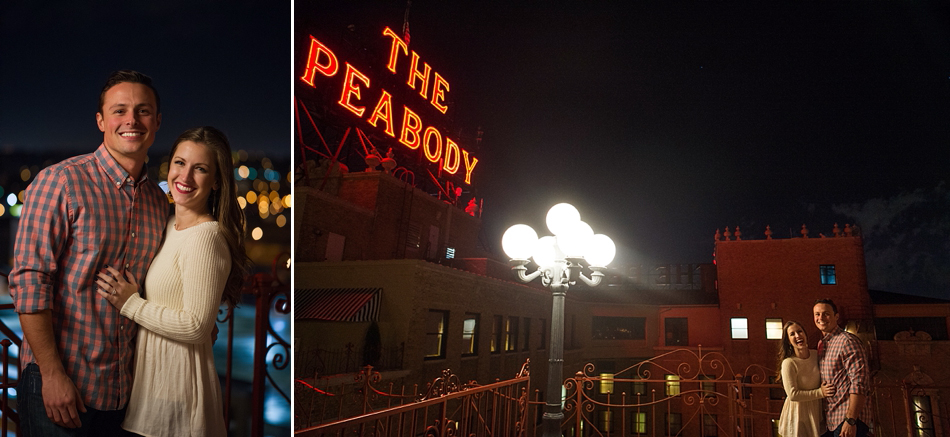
<point x="374" y="271"/>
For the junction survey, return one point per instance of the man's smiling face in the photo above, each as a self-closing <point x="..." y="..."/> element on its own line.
<point x="129" y="120"/>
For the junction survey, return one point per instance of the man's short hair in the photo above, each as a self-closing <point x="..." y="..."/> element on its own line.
<point x="829" y="302"/>
<point x="130" y="76"/>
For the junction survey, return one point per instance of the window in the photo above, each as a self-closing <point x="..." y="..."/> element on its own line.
<point x="923" y="418"/>
<point x="773" y="329"/>
<point x="605" y="422"/>
<point x="436" y="322"/>
<point x="677" y="333"/>
<point x="674" y="423"/>
<point x="449" y="253"/>
<point x="470" y="334"/>
<point x="672" y="385"/>
<point x="496" y="335"/>
<point x="544" y="334"/>
<point x="511" y="334"/>
<point x="827" y="274"/>
<point x="639" y="421"/>
<point x="527" y="334"/>
<point x="606" y="383"/>
<point x="740" y="328"/>
<point x="708" y="386"/>
<point x="710" y="429"/>
<point x="618" y="328"/>
<point x="639" y="387"/>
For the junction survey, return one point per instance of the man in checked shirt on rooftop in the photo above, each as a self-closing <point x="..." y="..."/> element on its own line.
<point x="79" y="216"/>
<point x="843" y="362"/>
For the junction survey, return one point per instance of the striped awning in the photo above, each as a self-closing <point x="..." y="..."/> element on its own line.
<point x="337" y="304"/>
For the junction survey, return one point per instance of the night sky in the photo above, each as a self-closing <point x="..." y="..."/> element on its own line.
<point x="219" y="63"/>
<point x="663" y="122"/>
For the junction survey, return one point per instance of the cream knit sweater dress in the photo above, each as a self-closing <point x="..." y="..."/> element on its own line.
<point x="176" y="390"/>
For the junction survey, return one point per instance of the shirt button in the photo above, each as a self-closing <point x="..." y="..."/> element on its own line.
<point x="133" y="235"/>
<point x="126" y="266"/>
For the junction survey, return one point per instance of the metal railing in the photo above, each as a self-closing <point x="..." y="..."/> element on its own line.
<point x="447" y="407"/>
<point x="271" y="291"/>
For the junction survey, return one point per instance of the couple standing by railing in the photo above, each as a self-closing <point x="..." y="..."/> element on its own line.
<point x="827" y="389"/>
<point x="92" y="227"/>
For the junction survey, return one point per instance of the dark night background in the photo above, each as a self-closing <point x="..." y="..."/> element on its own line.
<point x="665" y="122"/>
<point x="214" y="63"/>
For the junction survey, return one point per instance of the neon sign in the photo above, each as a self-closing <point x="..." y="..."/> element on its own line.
<point x="413" y="133"/>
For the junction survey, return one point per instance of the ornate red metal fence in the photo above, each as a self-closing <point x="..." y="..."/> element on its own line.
<point x="271" y="293"/>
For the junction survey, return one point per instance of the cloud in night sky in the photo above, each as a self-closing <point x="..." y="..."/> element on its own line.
<point x="906" y="240"/>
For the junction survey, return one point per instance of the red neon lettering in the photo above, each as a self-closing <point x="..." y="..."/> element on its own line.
<point x="438" y="92"/>
<point x="397" y="43"/>
<point x="469" y="166"/>
<point x="411" y="125"/>
<point x="351" y="89"/>
<point x="451" y="158"/>
<point x="384" y="111"/>
<point x="414" y="74"/>
<point x="432" y="155"/>
<point x="313" y="62"/>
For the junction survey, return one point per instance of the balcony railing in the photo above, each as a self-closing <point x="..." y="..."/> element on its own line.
<point x="270" y="292"/>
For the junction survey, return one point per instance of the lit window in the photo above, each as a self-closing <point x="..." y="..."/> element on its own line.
<point x="470" y="334"/>
<point x="708" y="386"/>
<point x="449" y="253"/>
<point x="435" y="333"/>
<point x="740" y="328"/>
<point x="773" y="329"/>
<point x="922" y="416"/>
<point x="605" y="422"/>
<point x="828" y="274"/>
<point x="511" y="334"/>
<point x="496" y="335"/>
<point x="639" y="423"/>
<point x="606" y="383"/>
<point x="672" y="385"/>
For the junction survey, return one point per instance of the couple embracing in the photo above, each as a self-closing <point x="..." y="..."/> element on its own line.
<point x="837" y="372"/>
<point x="103" y="278"/>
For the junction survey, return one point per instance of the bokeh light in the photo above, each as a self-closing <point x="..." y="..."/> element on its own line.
<point x="257" y="233"/>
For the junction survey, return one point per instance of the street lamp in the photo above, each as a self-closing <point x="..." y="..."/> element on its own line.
<point x="559" y="265"/>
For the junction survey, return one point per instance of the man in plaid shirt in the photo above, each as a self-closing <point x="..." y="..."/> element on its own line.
<point x="843" y="362"/>
<point x="79" y="216"/>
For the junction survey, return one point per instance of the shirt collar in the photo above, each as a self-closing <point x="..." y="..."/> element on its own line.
<point x="836" y="331"/>
<point x="116" y="173"/>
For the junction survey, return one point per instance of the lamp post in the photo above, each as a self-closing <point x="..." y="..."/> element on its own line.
<point x="559" y="260"/>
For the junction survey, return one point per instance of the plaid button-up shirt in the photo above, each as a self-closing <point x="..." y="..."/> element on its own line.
<point x="843" y="362"/>
<point x="79" y="216"/>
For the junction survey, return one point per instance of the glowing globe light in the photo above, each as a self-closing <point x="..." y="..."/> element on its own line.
<point x="561" y="217"/>
<point x="574" y="239"/>
<point x="545" y="251"/>
<point x="600" y="251"/>
<point x="518" y="241"/>
<point x="11" y="199"/>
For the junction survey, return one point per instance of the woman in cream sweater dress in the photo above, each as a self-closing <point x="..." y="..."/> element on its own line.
<point x="801" y="415"/>
<point x="175" y="391"/>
